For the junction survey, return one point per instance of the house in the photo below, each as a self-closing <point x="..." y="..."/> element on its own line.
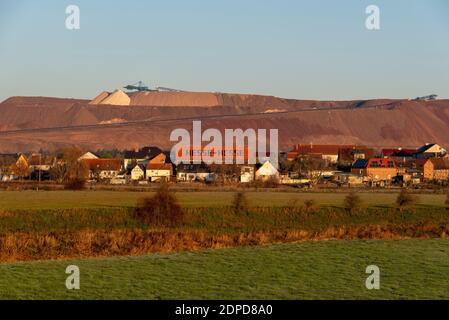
<point x="40" y="166"/>
<point x="159" y="171"/>
<point x="158" y="168"/>
<point x="138" y="172"/>
<point x="376" y="169"/>
<point x="39" y="162"/>
<point x="133" y="157"/>
<point x="399" y="155"/>
<point x="286" y="179"/>
<point x="88" y="155"/>
<point x="267" y="171"/>
<point x="348" y="178"/>
<point x="246" y="174"/>
<point x="119" y="179"/>
<point x="346" y="156"/>
<point x="159" y="158"/>
<point x="194" y="172"/>
<point x="328" y="152"/>
<point x="6" y="162"/>
<point x="103" y="169"/>
<point x="430" y="150"/>
<point x="436" y="169"/>
<point x="217" y="154"/>
<point x="21" y="168"/>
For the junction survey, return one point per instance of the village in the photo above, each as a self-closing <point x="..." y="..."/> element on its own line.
<point x="304" y="166"/>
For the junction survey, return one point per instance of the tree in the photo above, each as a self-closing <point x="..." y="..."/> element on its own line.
<point x="309" y="167"/>
<point x="309" y="205"/>
<point x="96" y="174"/>
<point x="405" y="199"/>
<point x="6" y="163"/>
<point x="162" y="209"/>
<point x="226" y="173"/>
<point x="352" y="202"/>
<point x="108" y="154"/>
<point x="240" y="203"/>
<point x="69" y="170"/>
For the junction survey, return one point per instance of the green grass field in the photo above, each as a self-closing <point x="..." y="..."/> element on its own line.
<point x="22" y="200"/>
<point x="410" y="269"/>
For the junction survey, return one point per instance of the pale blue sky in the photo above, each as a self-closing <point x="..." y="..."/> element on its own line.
<point x="298" y="49"/>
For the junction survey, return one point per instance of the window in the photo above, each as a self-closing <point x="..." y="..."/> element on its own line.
<point x="374" y="164"/>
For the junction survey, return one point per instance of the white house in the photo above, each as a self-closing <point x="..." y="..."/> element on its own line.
<point x="138" y="173"/>
<point x="159" y="171"/>
<point x="247" y="174"/>
<point x="88" y="155"/>
<point x="194" y="172"/>
<point x="430" y="150"/>
<point x="141" y="156"/>
<point x="267" y="171"/>
<point x="103" y="168"/>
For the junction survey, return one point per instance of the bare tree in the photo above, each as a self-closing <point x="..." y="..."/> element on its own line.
<point x="308" y="167"/>
<point x="226" y="173"/>
<point x="69" y="170"/>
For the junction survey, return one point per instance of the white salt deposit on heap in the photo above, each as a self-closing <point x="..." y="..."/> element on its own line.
<point x="100" y="97"/>
<point x="118" y="98"/>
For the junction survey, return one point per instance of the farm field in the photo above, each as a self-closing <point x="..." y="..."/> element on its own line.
<point x="410" y="269"/>
<point x="71" y="225"/>
<point x="24" y="200"/>
<point x="277" y="247"/>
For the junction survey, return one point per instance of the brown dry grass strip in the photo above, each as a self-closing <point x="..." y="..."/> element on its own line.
<point x="101" y="243"/>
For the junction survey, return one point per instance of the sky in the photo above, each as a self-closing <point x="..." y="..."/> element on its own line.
<point x="314" y="49"/>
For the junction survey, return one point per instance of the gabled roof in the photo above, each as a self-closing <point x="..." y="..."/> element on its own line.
<point x="343" y="151"/>
<point x="103" y="164"/>
<point x="374" y="163"/>
<point x="139" y="166"/>
<point x="22" y="158"/>
<point x="360" y="164"/>
<point x="398" y="152"/>
<point x="348" y="154"/>
<point x="428" y="146"/>
<point x="439" y="163"/>
<point x="159" y="158"/>
<point x="425" y="147"/>
<point x="40" y="160"/>
<point x="420" y="162"/>
<point x="329" y="149"/>
<point x="143" y="153"/>
<point x="159" y="166"/>
<point x="88" y="155"/>
<point x="267" y="169"/>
